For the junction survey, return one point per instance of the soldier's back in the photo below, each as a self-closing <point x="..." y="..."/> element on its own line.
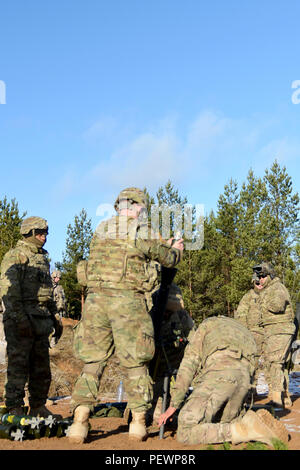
<point x="227" y="334"/>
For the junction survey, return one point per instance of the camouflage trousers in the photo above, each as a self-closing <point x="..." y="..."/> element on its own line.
<point x="28" y="361"/>
<point x="258" y="336"/>
<point x="273" y="348"/>
<point x="276" y="349"/>
<point x="216" y="401"/>
<point x="114" y="321"/>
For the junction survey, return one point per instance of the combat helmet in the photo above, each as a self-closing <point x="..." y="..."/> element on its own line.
<point x="134" y="195"/>
<point x="262" y="270"/>
<point x="33" y="223"/>
<point x="175" y="299"/>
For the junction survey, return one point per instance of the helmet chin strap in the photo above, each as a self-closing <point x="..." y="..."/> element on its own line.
<point x="32" y="239"/>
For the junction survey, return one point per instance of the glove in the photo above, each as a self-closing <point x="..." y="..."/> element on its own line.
<point x="23" y="326"/>
<point x="58" y="328"/>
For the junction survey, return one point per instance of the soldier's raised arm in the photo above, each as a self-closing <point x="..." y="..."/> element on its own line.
<point x="242" y="310"/>
<point x="161" y="251"/>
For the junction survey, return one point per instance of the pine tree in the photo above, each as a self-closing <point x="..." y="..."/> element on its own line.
<point x="10" y="223"/>
<point x="168" y="196"/>
<point x="283" y="215"/>
<point x="78" y="240"/>
<point x="292" y="275"/>
<point x="257" y="223"/>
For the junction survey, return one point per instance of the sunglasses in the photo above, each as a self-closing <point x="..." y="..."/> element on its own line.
<point x="39" y="231"/>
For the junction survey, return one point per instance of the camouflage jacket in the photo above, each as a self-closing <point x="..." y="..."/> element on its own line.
<point x="120" y="256"/>
<point x="25" y="282"/>
<point x="268" y="306"/>
<point x="249" y="311"/>
<point x="219" y="343"/>
<point x="59" y="298"/>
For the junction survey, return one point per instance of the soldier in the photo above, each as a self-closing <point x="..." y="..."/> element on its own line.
<point x="2" y="335"/>
<point x="175" y="329"/>
<point x="59" y="294"/>
<point x="267" y="312"/>
<point x="219" y="363"/>
<point x="29" y="317"/>
<point x="2" y="338"/>
<point x="115" y="314"/>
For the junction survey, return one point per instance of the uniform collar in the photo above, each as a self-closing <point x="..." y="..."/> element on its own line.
<point x="30" y="246"/>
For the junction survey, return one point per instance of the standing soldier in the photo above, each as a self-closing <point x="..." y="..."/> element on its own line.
<point x="59" y="294"/>
<point x="267" y="311"/>
<point x="219" y="363"/>
<point x="29" y="317"/>
<point x="2" y="337"/>
<point x="115" y="314"/>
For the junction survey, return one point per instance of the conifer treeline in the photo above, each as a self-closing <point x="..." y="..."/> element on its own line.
<point x="10" y="222"/>
<point x="79" y="236"/>
<point x="252" y="223"/>
<point x="259" y="221"/>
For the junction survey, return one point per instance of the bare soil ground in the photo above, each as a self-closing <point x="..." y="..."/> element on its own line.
<point x="111" y="434"/>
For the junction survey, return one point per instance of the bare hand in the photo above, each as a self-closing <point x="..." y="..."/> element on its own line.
<point x="176" y="243"/>
<point x="166" y="415"/>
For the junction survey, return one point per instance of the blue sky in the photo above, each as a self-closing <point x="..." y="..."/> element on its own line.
<point x="101" y="95"/>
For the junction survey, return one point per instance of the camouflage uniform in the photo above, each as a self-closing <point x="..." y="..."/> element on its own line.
<point x="218" y="362"/>
<point x="249" y="314"/>
<point x="115" y="315"/>
<point x="176" y="326"/>
<point x="26" y="290"/>
<point x="2" y="335"/>
<point x="59" y="295"/>
<point x="269" y="315"/>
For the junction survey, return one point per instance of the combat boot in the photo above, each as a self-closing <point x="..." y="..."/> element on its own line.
<point x="43" y="412"/>
<point x="137" y="427"/>
<point x="258" y="426"/>
<point x="80" y="426"/>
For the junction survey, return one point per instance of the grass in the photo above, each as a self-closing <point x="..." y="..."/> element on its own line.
<point x="255" y="446"/>
<point x="279" y="445"/>
<point x="226" y="446"/>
